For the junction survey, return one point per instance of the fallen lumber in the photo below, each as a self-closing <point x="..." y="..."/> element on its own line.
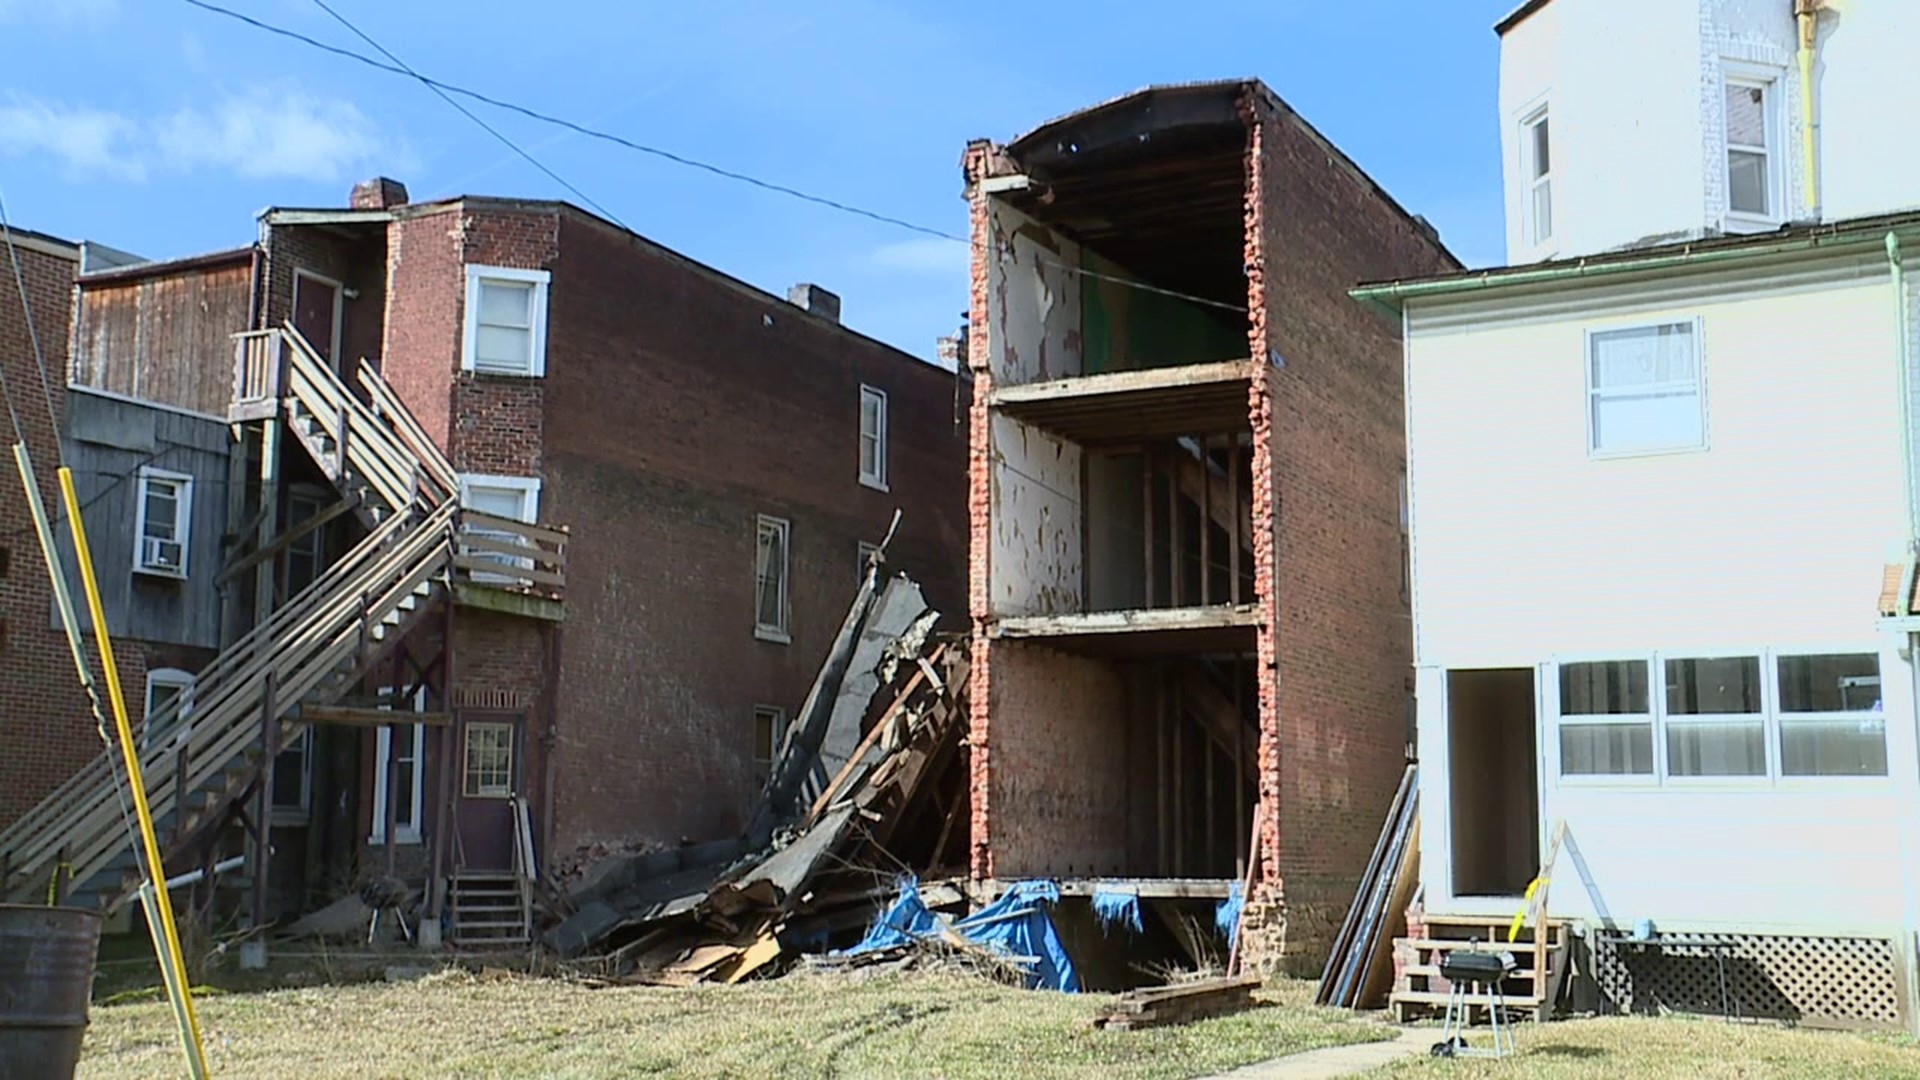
<point x="1179" y="1004"/>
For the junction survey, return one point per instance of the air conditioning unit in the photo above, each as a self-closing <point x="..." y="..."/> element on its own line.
<point x="162" y="555"/>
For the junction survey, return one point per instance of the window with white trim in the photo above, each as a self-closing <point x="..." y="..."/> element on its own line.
<point x="1606" y="718"/>
<point x="166" y="686"/>
<point x="769" y="732"/>
<point x="771" y="535"/>
<point x="1536" y="171"/>
<point x="506" y="321"/>
<point x="1831" y="719"/>
<point x="397" y="760"/>
<point x="515" y="498"/>
<point x="1644" y="389"/>
<point x="873" y="437"/>
<point x="164" y="522"/>
<point x="1716" y="722"/>
<point x="1753" y="185"/>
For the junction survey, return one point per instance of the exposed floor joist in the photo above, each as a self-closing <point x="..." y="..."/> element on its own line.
<point x="1223" y="628"/>
<point x="1125" y="407"/>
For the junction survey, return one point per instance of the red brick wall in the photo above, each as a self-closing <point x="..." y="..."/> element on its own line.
<point x="678" y="407"/>
<point x="1334" y="711"/>
<point x="425" y="294"/>
<point x="500" y="423"/>
<point x="46" y="732"/>
<point x="353" y="262"/>
<point x="980" y="732"/>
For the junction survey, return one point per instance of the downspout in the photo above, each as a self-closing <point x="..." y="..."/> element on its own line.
<point x="1807" y="14"/>
<point x="1903" y="347"/>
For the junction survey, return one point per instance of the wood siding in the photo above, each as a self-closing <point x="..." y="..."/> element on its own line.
<point x="106" y="442"/>
<point x="164" y="337"/>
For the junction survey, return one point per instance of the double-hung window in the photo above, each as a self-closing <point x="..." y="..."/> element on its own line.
<point x="1753" y="187"/>
<point x="1606" y="718"/>
<point x="506" y="321"/>
<point x="1831" y="721"/>
<point x="1645" y="390"/>
<point x="873" y="437"/>
<point x="515" y="498"/>
<point x="165" y="519"/>
<point x="770" y="579"/>
<point x="1536" y="171"/>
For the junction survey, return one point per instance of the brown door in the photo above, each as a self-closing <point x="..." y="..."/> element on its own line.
<point x="316" y="313"/>
<point x="487" y="778"/>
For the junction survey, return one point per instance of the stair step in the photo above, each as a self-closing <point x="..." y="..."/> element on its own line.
<point x="489" y="924"/>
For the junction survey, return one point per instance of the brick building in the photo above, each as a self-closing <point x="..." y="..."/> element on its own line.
<point x="717" y="463"/>
<point x="1187" y="546"/>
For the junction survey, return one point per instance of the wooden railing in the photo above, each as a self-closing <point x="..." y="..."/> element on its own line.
<point x="502" y="553"/>
<point x="259" y="366"/>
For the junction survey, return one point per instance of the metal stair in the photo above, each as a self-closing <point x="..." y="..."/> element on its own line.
<point x="212" y="746"/>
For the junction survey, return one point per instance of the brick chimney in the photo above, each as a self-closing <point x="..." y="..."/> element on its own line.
<point x="815" y="299"/>
<point x="379" y="193"/>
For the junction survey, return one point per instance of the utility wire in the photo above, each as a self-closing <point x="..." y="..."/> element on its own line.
<point x="581" y="129"/>
<point x="470" y="114"/>
<point x="33" y="335"/>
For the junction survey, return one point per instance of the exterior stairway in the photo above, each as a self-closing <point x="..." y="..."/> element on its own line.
<point x="212" y="740"/>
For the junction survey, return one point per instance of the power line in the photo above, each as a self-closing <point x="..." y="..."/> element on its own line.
<point x="469" y="114"/>
<point x="581" y="129"/>
<point x="33" y="335"/>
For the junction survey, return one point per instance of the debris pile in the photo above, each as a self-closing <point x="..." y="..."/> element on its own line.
<point x="825" y="851"/>
<point x="1359" y="970"/>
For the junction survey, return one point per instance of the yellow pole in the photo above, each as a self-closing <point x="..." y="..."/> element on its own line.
<point x="156" y="870"/>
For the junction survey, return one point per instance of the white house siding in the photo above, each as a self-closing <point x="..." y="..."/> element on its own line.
<point x="1869" y="162"/>
<point x="1525" y="549"/>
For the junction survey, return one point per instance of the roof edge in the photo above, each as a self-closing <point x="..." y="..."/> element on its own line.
<point x="135" y="271"/>
<point x="45" y="243"/>
<point x="1518" y="15"/>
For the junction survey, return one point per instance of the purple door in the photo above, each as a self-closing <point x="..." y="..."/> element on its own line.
<point x="486" y="779"/>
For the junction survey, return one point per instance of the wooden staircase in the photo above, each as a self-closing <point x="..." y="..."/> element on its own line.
<point x="217" y="739"/>
<point x="1420" y="990"/>
<point x="490" y="909"/>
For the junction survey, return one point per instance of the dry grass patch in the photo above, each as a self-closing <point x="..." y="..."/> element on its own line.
<point x="803" y="1026"/>
<point x="1609" y="1048"/>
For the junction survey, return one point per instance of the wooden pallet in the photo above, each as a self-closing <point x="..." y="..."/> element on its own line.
<point x="1420" y="990"/>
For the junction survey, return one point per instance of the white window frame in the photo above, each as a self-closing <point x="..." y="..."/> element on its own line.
<point x="182" y="523"/>
<point x="541" y="280"/>
<point x="294" y="812"/>
<point x="339" y="307"/>
<point x="1530" y="118"/>
<point x="1769" y="82"/>
<point x="876" y="479"/>
<point x="780" y="632"/>
<point x="182" y="683"/>
<point x="406" y="818"/>
<point x="763" y="768"/>
<point x="529" y="489"/>
<point x="1662" y="776"/>
<point x="1696" y="326"/>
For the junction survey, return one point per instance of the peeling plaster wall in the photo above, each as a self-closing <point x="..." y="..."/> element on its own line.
<point x="1036" y="521"/>
<point x="1060" y="792"/>
<point x="1033" y="299"/>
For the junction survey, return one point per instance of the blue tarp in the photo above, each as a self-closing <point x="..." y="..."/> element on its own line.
<point x="1226" y="917"/>
<point x="1015" y="926"/>
<point x="1117" y="909"/>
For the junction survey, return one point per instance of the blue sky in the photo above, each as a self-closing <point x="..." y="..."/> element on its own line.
<point x="159" y="128"/>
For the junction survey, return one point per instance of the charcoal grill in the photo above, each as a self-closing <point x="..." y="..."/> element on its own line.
<point x="1475" y="977"/>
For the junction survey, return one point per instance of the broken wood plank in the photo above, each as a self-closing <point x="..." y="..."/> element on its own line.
<point x="1177" y="1004"/>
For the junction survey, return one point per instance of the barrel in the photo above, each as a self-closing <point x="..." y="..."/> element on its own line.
<point x="46" y="975"/>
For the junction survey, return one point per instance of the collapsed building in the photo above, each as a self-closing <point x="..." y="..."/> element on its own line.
<point x="1187" y="568"/>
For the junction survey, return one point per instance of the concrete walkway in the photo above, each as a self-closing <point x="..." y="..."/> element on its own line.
<point x="1338" y="1061"/>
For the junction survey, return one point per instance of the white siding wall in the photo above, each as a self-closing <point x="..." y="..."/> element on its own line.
<point x="1526" y="549"/>
<point x="1869" y="158"/>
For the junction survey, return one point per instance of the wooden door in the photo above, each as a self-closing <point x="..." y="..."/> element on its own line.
<point x="316" y="314"/>
<point x="487" y="777"/>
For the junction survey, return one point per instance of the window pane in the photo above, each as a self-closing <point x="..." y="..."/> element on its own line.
<point x="770" y="579"/>
<point x="503" y="349"/>
<point x="1850" y="746"/>
<point x="506" y="304"/>
<point x="1717" y="748"/>
<point x="1746" y="116"/>
<point x="162" y="510"/>
<point x="1647" y="422"/>
<point x="1719" y="685"/>
<point x="1831" y="683"/>
<point x="1542" y="150"/>
<point x="1604" y="688"/>
<point x="1606" y="749"/>
<point x="489" y="760"/>
<point x="869" y="455"/>
<point x="1543" y="211"/>
<point x="1747" y="182"/>
<point x="509" y="503"/>
<point x="1643" y="356"/>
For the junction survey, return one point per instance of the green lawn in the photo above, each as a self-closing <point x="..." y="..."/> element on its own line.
<point x="453" y="1024"/>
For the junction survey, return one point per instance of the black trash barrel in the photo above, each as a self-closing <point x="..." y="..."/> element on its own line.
<point x="46" y="975"/>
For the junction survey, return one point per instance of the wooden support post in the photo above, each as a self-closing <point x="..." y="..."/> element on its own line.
<point x="1179" y="795"/>
<point x="1233" y="534"/>
<point x="448" y="740"/>
<point x="1160" y="765"/>
<point x="366" y="632"/>
<point x="263" y="580"/>
<point x="181" y="765"/>
<point x="390" y="813"/>
<point x="1174" y="569"/>
<point x="230" y="604"/>
<point x="1208" y="849"/>
<point x="1146" y="501"/>
<point x="62" y="886"/>
<point x="1206" y="528"/>
<point x="1240" y="762"/>
<point x="340" y="449"/>
<point x="263" y="813"/>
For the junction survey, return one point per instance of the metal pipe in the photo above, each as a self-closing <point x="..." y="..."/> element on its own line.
<point x="193" y="876"/>
<point x="1807" y="14"/>
<point x="1902" y="353"/>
